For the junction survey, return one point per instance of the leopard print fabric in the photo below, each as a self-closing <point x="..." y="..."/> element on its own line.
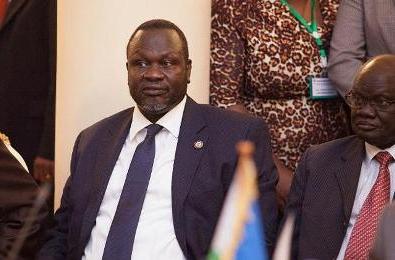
<point x="261" y="57"/>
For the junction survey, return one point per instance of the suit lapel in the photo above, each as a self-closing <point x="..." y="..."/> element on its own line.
<point x="13" y="8"/>
<point x="108" y="152"/>
<point x="348" y="173"/>
<point x="187" y="158"/>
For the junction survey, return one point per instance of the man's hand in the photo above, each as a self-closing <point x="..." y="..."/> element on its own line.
<point x="43" y="169"/>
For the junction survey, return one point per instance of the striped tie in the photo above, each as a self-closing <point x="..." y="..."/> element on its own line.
<point x="364" y="231"/>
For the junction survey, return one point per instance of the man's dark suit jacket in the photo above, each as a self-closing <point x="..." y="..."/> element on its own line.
<point x="17" y="193"/>
<point x="322" y="196"/>
<point x="201" y="178"/>
<point x="27" y="69"/>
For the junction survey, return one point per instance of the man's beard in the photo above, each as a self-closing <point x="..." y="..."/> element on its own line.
<point x="154" y="108"/>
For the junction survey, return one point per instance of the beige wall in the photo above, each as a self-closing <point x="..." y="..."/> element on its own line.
<point x="91" y="72"/>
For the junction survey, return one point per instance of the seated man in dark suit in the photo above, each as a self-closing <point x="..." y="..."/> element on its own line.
<point x="17" y="195"/>
<point x="149" y="182"/>
<point x="341" y="187"/>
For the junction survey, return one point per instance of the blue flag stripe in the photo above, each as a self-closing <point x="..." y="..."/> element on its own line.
<point x="253" y="244"/>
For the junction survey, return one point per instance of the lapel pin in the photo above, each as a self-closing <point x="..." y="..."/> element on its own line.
<point x="198" y="144"/>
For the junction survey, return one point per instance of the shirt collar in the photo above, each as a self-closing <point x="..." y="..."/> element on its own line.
<point x="171" y="121"/>
<point x="372" y="150"/>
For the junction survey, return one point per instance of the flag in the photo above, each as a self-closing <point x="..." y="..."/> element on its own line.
<point x="283" y="248"/>
<point x="239" y="232"/>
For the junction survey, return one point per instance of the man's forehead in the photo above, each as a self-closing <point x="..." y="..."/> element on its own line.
<point x="375" y="86"/>
<point x="156" y="36"/>
<point x="144" y="51"/>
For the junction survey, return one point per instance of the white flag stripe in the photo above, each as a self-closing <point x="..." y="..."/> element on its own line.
<point x="223" y="234"/>
<point x="283" y="248"/>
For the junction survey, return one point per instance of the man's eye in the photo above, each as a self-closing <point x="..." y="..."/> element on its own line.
<point x="141" y="63"/>
<point x="167" y="63"/>
<point x="383" y="102"/>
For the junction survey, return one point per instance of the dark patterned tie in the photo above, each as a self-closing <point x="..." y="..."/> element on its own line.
<point x="365" y="227"/>
<point x="120" y="239"/>
<point x="3" y="10"/>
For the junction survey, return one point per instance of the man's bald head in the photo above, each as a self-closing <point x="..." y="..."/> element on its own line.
<point x="379" y="68"/>
<point x="372" y="101"/>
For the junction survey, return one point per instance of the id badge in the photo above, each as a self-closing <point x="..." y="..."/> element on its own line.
<point x="321" y="88"/>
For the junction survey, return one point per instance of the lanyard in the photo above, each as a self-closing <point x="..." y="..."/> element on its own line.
<point x="312" y="28"/>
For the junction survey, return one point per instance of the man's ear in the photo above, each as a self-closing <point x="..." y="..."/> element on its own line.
<point x="189" y="69"/>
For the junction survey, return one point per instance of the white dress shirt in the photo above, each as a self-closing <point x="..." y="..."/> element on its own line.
<point x="16" y="155"/>
<point x="369" y="173"/>
<point x="155" y="236"/>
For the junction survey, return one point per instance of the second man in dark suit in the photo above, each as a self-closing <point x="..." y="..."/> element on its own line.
<point x="341" y="187"/>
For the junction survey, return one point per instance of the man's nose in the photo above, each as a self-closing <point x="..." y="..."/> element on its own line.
<point x="366" y="110"/>
<point x="153" y="73"/>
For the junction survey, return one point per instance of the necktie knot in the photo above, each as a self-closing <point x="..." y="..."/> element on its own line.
<point x="384" y="158"/>
<point x="153" y="129"/>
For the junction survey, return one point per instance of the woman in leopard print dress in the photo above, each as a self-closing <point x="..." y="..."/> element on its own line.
<point x="261" y="58"/>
